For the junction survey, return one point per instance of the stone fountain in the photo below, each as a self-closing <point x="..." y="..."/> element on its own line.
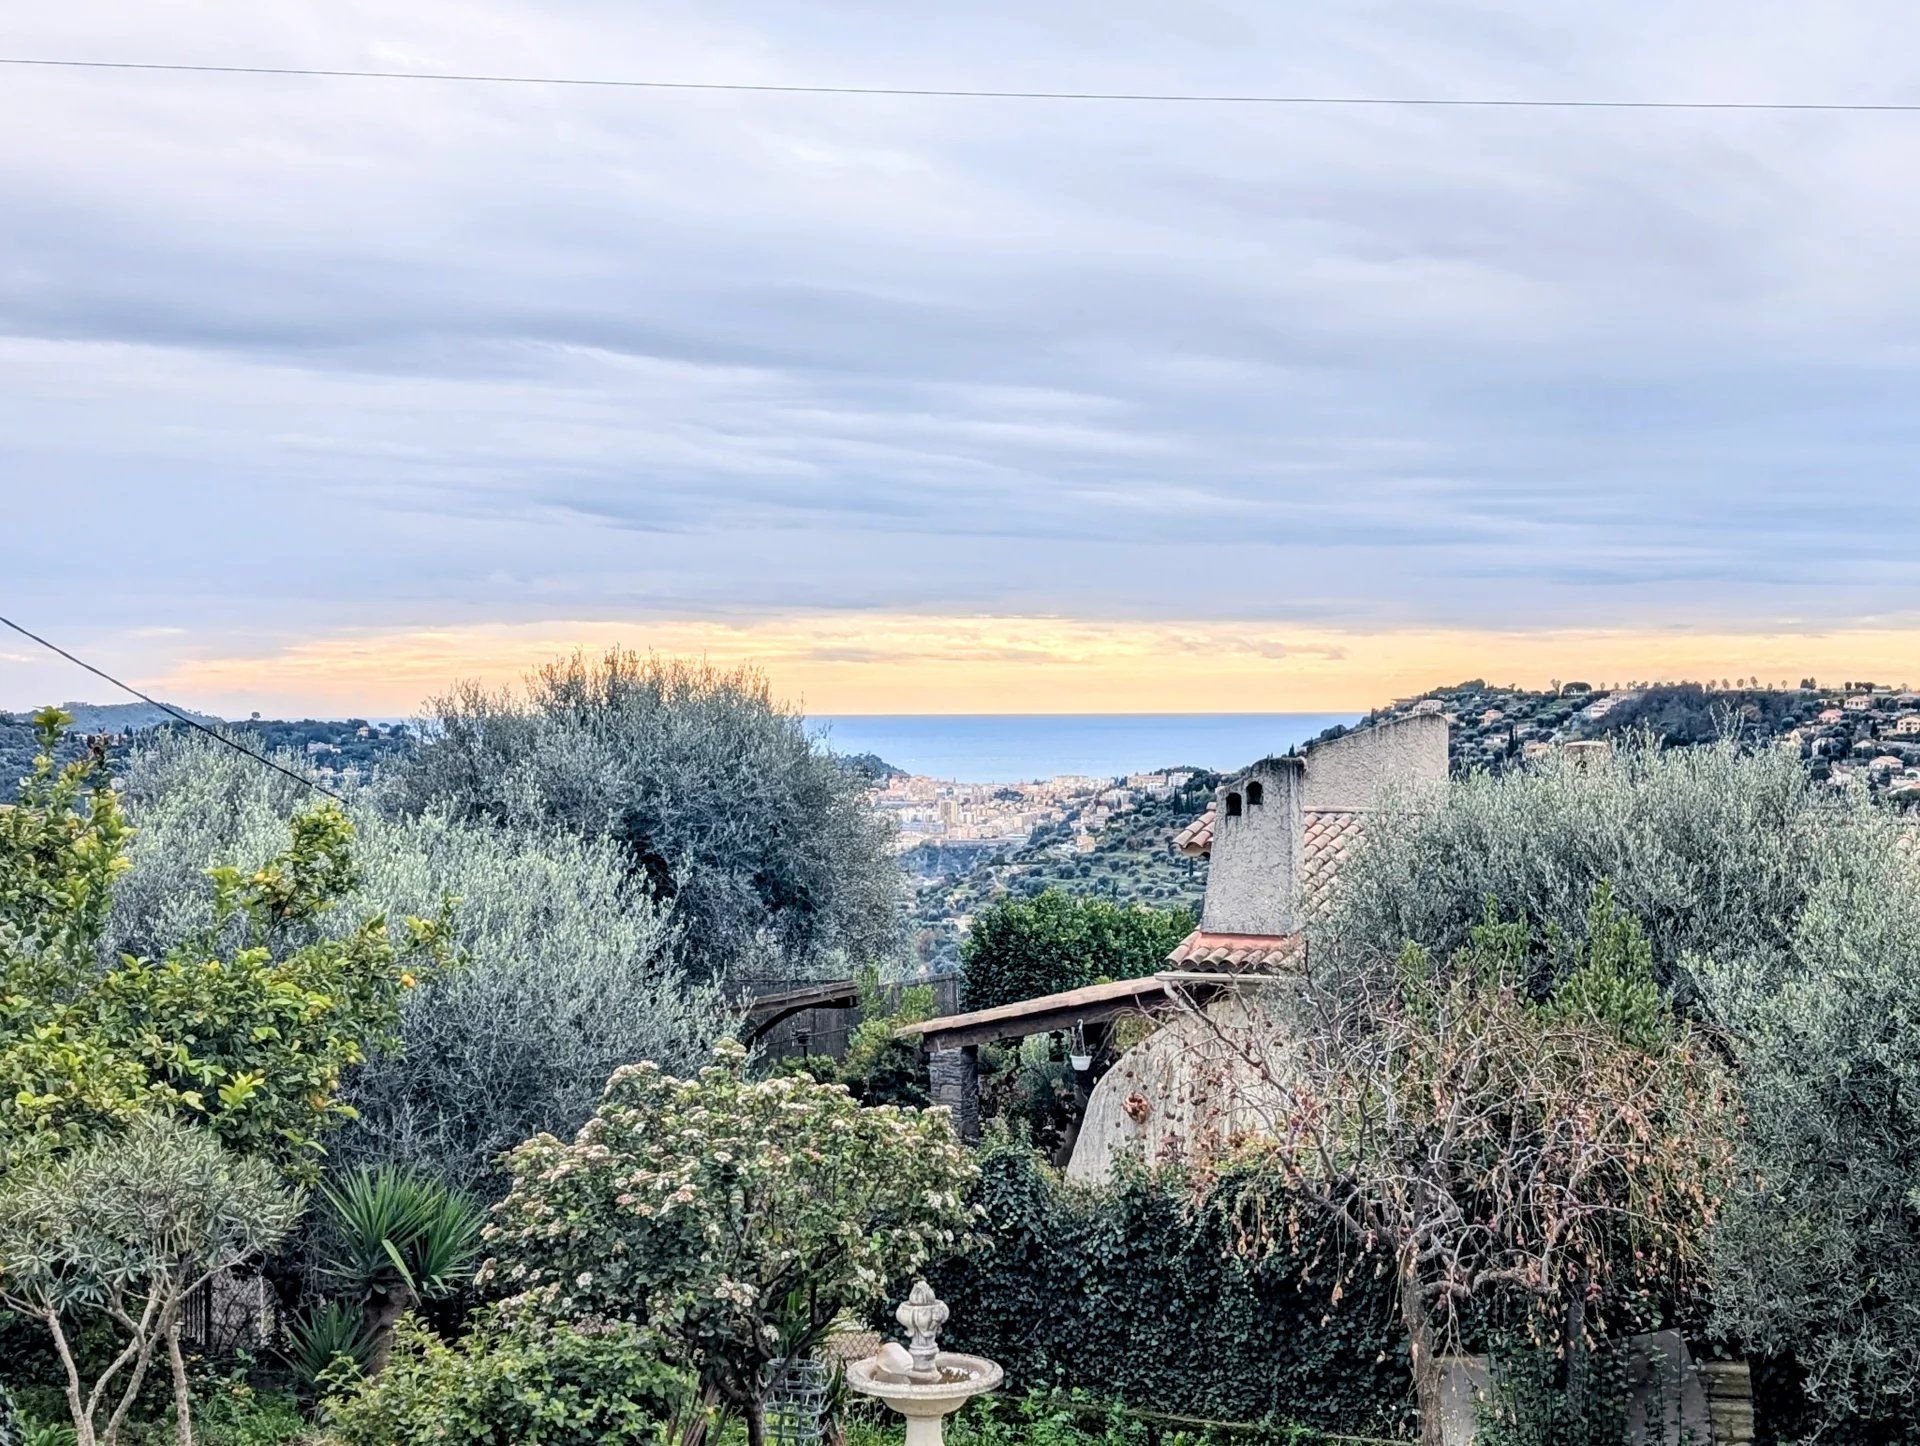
<point x="921" y="1382"/>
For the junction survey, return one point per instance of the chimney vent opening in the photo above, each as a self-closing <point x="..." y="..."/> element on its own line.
<point x="1233" y="805"/>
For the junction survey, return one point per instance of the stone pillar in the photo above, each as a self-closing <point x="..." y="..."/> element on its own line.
<point x="955" y="1076"/>
<point x="1465" y="1385"/>
<point x="1729" y="1391"/>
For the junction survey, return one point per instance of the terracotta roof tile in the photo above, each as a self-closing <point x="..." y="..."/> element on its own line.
<point x="1331" y="836"/>
<point x="1196" y="839"/>
<point x="1235" y="951"/>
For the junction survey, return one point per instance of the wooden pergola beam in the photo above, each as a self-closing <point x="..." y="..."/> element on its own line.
<point x="1095" y="1004"/>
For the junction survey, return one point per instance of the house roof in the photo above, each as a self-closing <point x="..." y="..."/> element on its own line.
<point x="1330" y="836"/>
<point x="1196" y="839"/>
<point x="1236" y="951"/>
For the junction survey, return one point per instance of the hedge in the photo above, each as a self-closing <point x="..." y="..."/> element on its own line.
<point x="1130" y="1291"/>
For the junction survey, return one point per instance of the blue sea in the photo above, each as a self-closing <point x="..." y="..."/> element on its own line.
<point x="1012" y="747"/>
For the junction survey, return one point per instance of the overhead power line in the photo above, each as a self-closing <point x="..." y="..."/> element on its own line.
<point x="168" y="708"/>
<point x="955" y="93"/>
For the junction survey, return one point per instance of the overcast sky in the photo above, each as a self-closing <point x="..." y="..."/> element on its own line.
<point x="314" y="392"/>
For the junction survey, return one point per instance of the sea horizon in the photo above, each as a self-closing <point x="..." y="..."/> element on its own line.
<point x="1020" y="747"/>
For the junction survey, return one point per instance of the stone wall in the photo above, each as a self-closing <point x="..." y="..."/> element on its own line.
<point x="1181" y="1091"/>
<point x="953" y="1078"/>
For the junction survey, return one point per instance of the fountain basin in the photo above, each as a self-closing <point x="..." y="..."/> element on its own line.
<point x="959" y="1378"/>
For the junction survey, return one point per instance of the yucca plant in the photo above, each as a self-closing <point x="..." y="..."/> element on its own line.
<point x="316" y="1342"/>
<point x="397" y="1237"/>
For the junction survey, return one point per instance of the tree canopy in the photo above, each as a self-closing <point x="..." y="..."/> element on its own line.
<point x="1787" y="918"/>
<point x="242" y="1027"/>
<point x="737" y="1218"/>
<point x="760" y="843"/>
<point x="1024" y="948"/>
<point x="1556" y="1158"/>
<point x="568" y="969"/>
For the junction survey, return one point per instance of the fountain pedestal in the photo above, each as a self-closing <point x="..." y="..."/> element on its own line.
<point x="924" y="1384"/>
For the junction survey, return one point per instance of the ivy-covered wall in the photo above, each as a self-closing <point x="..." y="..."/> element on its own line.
<point x="1131" y="1292"/>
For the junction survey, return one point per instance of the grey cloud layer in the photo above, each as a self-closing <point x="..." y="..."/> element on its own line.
<point x="277" y="353"/>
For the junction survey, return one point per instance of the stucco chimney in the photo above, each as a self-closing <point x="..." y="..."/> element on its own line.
<point x="1253" y="876"/>
<point x="1258" y="869"/>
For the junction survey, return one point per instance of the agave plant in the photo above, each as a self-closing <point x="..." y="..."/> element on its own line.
<point x="320" y="1340"/>
<point x="398" y="1237"/>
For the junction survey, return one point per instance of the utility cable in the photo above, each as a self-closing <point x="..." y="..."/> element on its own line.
<point x="932" y="92"/>
<point x="168" y="708"/>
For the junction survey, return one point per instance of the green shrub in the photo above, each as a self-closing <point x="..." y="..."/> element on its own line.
<point x="740" y="1218"/>
<point x="1541" y="1398"/>
<point x="319" y="1340"/>
<point x="397" y="1238"/>
<point x="567" y="971"/>
<point x="1131" y="1291"/>
<point x="1022" y="949"/>
<point x="232" y="1413"/>
<point x="515" y="1381"/>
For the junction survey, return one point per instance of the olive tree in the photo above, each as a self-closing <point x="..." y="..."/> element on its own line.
<point x="128" y="1228"/>
<point x="1554" y="1159"/>
<point x="1715" y="850"/>
<point x="1783" y="913"/>
<point x="567" y="970"/>
<point x="759" y="842"/>
<point x="1819" y="1245"/>
<point x="735" y="1217"/>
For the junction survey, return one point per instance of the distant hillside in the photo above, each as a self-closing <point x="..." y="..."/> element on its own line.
<point x="870" y="766"/>
<point x="1130" y="858"/>
<point x="1857" y="734"/>
<point x="113" y="717"/>
<point x="328" y="747"/>
<point x="117" y="721"/>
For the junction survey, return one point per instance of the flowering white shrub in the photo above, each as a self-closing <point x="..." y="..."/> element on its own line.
<point x="736" y="1217"/>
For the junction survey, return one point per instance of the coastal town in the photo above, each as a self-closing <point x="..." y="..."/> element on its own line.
<point x="937" y="814"/>
<point x="1859" y="733"/>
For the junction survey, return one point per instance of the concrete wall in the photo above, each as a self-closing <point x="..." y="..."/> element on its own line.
<point x="1184" y="1091"/>
<point x="1253" y="877"/>
<point x="1356" y="771"/>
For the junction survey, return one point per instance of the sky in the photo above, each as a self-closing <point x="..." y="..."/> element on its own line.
<point x="318" y="394"/>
